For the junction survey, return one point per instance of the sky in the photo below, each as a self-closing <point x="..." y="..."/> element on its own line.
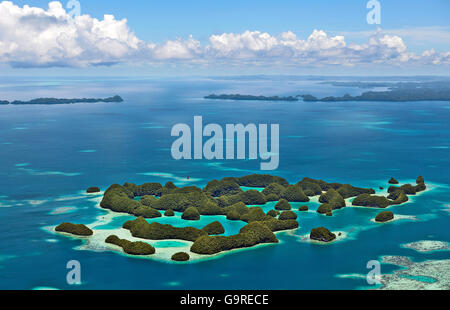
<point x="224" y="37"/>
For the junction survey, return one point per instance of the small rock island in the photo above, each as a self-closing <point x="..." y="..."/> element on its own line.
<point x="322" y="234"/>
<point x="92" y="190"/>
<point x="384" y="216"/>
<point x="74" y="229"/>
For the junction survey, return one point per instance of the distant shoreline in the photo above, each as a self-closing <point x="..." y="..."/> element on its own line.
<point x="49" y="101"/>
<point x="396" y="92"/>
<point x="387" y="96"/>
<point x="250" y="97"/>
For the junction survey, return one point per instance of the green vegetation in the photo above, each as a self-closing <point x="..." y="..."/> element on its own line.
<point x="147" y="212"/>
<point x="144" y="189"/>
<point x="180" y="257"/>
<point x="398" y="197"/>
<point x="217" y="188"/>
<point x="181" y="190"/>
<point x="250" y="235"/>
<point x="294" y="193"/>
<point x="255" y="214"/>
<point x="345" y="190"/>
<point x="260" y="180"/>
<point x="148" y="200"/>
<point x="366" y="200"/>
<point x="322" y="234"/>
<point x="325" y="208"/>
<point x="283" y="204"/>
<point x="279" y="225"/>
<point x="274" y="191"/>
<point x="420" y="187"/>
<point x="140" y="228"/>
<point x="191" y="214"/>
<point x="251" y="197"/>
<point x="119" y="199"/>
<point x="169" y="185"/>
<point x="206" y="205"/>
<point x="310" y="188"/>
<point x="233" y="216"/>
<point x="228" y="200"/>
<point x="214" y="228"/>
<point x="348" y="191"/>
<point x="410" y="189"/>
<point x="323" y="185"/>
<point x="407" y="188"/>
<point x="133" y="248"/>
<point x="74" y="229"/>
<point x="273" y="213"/>
<point x="93" y="189"/>
<point x="287" y="215"/>
<point x="384" y="216"/>
<point x="234" y="212"/>
<point x="271" y="197"/>
<point x="331" y="200"/>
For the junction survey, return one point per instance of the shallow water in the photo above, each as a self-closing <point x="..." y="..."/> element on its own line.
<point x="51" y="154"/>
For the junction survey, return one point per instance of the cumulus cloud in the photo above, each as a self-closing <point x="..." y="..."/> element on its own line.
<point x="31" y="36"/>
<point x="36" y="37"/>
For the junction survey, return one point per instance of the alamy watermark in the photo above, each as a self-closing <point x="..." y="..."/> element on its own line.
<point x="73" y="277"/>
<point x="374" y="15"/>
<point x="221" y="147"/>
<point x="75" y="8"/>
<point x="374" y="275"/>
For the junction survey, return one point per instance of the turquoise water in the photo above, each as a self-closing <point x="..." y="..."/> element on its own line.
<point x="51" y="154"/>
<point x="420" y="278"/>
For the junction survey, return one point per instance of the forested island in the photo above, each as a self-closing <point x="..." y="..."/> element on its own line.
<point x="250" y="97"/>
<point x="63" y="101"/>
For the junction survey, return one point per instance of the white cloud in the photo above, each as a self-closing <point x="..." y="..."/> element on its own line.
<point x="31" y="36"/>
<point x="35" y="37"/>
<point x="252" y="41"/>
<point x="178" y="49"/>
<point x="416" y="35"/>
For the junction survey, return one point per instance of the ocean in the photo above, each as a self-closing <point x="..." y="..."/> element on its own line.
<point x="50" y="155"/>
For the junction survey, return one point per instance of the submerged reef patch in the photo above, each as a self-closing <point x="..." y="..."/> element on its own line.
<point x="426" y="246"/>
<point x="427" y="275"/>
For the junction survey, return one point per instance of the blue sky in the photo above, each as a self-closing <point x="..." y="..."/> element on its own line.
<point x="421" y="25"/>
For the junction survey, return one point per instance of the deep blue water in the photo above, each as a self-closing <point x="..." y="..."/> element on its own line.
<point x="51" y="154"/>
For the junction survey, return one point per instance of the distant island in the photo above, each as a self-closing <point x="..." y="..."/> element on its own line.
<point x="397" y="92"/>
<point x="62" y="101"/>
<point x="392" y="95"/>
<point x="250" y="97"/>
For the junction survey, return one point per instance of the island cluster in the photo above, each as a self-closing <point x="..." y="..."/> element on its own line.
<point x="226" y="197"/>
